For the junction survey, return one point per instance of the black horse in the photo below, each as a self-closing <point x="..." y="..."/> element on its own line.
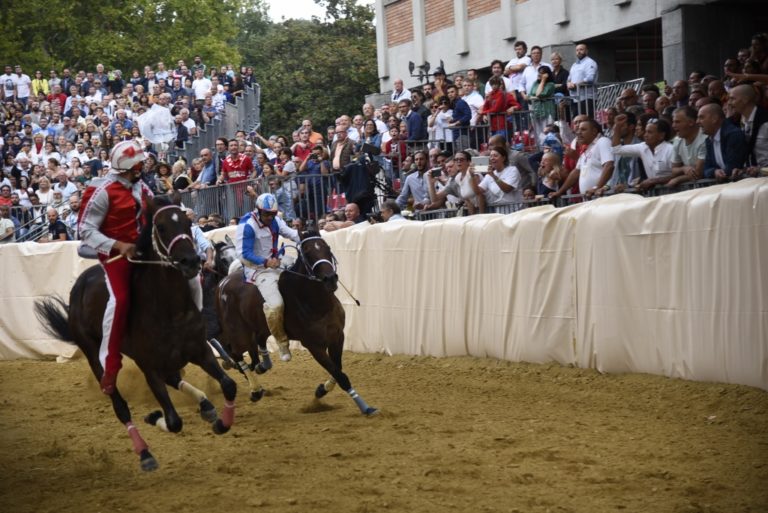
<point x="313" y="316"/>
<point x="165" y="330"/>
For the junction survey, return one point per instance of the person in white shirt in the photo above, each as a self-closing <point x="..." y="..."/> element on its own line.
<point x="23" y="86"/>
<point x="473" y="99"/>
<point x="531" y="72"/>
<point x="655" y="152"/>
<point x="497" y="70"/>
<point x="201" y="86"/>
<point x="595" y="165"/>
<point x="400" y="92"/>
<point x="516" y="66"/>
<point x="501" y="184"/>
<point x="582" y="80"/>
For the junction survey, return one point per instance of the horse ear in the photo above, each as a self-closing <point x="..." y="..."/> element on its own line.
<point x="175" y="197"/>
<point x="229" y="240"/>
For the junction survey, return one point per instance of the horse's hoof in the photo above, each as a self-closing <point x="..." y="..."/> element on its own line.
<point x="147" y="461"/>
<point x="286" y="357"/>
<point x="208" y="411"/>
<point x="257" y="395"/>
<point x="320" y="391"/>
<point x="219" y="428"/>
<point x="370" y="411"/>
<point x="153" y="417"/>
<point x="226" y="364"/>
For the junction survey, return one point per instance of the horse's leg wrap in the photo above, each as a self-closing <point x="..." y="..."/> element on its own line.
<point x="360" y="402"/>
<point x="228" y="415"/>
<point x="139" y="444"/>
<point x="257" y="391"/>
<point x="266" y="362"/>
<point x="274" y="316"/>
<point x="207" y="410"/>
<point x="188" y="389"/>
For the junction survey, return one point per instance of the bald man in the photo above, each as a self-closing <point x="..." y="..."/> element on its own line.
<point x="753" y="122"/>
<point x="726" y="145"/>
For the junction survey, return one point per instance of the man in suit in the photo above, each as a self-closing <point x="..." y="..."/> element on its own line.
<point x="726" y="145"/>
<point x="753" y="120"/>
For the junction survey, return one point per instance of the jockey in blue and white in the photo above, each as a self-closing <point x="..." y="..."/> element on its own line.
<point x="256" y="245"/>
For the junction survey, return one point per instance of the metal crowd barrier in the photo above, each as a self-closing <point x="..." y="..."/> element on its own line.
<point x="244" y="114"/>
<point x="427" y="215"/>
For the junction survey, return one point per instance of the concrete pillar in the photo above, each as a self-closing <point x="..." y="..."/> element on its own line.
<point x="461" y="27"/>
<point x="382" y="45"/>
<point x="419" y="32"/>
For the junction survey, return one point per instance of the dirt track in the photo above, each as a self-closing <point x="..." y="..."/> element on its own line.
<point x="456" y="434"/>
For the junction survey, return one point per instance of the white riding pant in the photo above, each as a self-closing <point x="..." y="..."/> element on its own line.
<point x="266" y="281"/>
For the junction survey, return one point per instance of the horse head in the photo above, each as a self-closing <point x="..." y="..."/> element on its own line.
<point x="224" y="254"/>
<point x="318" y="260"/>
<point x="171" y="234"/>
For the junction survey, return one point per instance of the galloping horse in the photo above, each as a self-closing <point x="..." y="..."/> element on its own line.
<point x="313" y="316"/>
<point x="165" y="330"/>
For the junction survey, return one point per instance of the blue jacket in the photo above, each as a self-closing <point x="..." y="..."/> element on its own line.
<point x="463" y="114"/>
<point x="733" y="146"/>
<point x="415" y="126"/>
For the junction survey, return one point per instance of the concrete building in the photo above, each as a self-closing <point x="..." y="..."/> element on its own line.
<point x="653" y="39"/>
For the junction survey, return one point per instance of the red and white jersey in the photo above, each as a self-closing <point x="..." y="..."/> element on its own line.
<point x="236" y="169"/>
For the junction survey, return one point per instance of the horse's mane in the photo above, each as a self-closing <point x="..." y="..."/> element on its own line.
<point x="144" y="242"/>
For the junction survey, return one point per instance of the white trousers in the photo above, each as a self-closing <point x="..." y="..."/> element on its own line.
<point x="266" y="281"/>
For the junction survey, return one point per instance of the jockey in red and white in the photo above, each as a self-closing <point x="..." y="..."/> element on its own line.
<point x="111" y="219"/>
<point x="256" y="246"/>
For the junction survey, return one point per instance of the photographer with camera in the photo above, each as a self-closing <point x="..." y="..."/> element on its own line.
<point x="458" y="187"/>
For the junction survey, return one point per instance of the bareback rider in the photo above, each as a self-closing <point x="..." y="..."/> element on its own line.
<point x="256" y="246"/>
<point x="111" y="218"/>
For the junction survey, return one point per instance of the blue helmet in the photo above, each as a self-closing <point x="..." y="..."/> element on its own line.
<point x="267" y="202"/>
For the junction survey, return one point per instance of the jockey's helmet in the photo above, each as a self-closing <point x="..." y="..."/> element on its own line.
<point x="267" y="203"/>
<point x="126" y="155"/>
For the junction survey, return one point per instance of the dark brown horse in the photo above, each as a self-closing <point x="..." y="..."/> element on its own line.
<point x="313" y="316"/>
<point x="165" y="330"/>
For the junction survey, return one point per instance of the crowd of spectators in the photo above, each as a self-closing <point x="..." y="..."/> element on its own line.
<point x="57" y="133"/>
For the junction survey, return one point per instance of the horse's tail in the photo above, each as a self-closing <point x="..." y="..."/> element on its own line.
<point x="53" y="314"/>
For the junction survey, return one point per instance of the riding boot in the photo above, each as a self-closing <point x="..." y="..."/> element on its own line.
<point x="275" y="322"/>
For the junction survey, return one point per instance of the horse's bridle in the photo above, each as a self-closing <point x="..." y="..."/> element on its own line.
<point x="311" y="269"/>
<point x="157" y="243"/>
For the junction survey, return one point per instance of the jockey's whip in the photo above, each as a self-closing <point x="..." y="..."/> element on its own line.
<point x="348" y="292"/>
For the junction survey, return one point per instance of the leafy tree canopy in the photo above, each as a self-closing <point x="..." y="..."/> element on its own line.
<point x="317" y="68"/>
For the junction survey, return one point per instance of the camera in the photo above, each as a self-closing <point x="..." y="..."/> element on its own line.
<point x="436" y="172"/>
<point x="313" y="156"/>
<point x="374" y="217"/>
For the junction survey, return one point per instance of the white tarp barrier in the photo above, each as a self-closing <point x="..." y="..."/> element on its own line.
<point x="671" y="285"/>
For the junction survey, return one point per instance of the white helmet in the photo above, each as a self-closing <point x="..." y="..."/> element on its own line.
<point x="267" y="202"/>
<point x="125" y="155"/>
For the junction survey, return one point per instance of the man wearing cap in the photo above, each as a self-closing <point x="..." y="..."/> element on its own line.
<point x="110" y="221"/>
<point x="256" y="245"/>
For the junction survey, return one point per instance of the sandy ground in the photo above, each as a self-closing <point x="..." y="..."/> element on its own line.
<point x="455" y="434"/>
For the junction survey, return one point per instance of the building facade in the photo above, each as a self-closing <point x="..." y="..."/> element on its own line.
<point x="652" y="39"/>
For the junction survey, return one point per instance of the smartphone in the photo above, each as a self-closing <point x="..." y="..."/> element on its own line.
<point x="436" y="172"/>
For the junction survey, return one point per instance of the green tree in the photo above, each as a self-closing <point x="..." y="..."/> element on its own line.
<point x="312" y="68"/>
<point x="120" y="34"/>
